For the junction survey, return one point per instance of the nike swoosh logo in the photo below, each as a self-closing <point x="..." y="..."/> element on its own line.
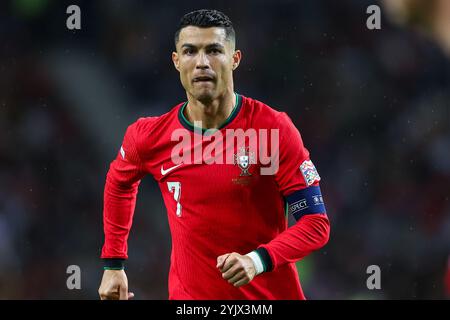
<point x="164" y="172"/>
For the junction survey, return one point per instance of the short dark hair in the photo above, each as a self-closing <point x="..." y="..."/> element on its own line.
<point x="206" y="18"/>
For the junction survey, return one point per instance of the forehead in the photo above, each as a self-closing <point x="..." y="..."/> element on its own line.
<point x="202" y="36"/>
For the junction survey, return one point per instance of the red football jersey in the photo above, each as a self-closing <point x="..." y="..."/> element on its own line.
<point x="217" y="208"/>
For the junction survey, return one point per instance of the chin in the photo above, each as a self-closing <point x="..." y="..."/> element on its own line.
<point x="205" y="96"/>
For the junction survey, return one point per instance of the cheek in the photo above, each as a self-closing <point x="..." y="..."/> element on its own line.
<point x="225" y="72"/>
<point x="184" y="73"/>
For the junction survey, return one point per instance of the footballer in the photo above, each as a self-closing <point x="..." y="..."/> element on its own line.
<point x="226" y="204"/>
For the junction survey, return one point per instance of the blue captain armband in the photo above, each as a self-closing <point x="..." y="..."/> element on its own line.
<point x="305" y="201"/>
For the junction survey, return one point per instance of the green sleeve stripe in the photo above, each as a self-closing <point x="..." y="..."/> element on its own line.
<point x="111" y="268"/>
<point x="262" y="261"/>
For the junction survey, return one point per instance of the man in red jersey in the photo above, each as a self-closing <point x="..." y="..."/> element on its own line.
<point x="225" y="201"/>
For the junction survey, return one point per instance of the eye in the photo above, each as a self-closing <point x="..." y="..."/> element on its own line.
<point x="188" y="51"/>
<point x="215" y="51"/>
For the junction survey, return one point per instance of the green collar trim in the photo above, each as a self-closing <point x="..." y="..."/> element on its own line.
<point x="188" y="125"/>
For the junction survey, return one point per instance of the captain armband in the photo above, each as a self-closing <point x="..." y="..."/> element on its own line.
<point x="305" y="201"/>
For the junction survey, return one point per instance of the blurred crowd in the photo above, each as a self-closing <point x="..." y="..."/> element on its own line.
<point x="373" y="108"/>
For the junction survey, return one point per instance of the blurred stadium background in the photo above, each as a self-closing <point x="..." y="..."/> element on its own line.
<point x="372" y="107"/>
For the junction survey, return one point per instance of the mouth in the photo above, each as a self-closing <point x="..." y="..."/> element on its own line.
<point x="203" y="79"/>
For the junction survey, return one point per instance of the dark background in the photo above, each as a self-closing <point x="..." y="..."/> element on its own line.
<point x="372" y="107"/>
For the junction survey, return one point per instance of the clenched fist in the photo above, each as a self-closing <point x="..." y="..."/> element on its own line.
<point x="236" y="269"/>
<point x="114" y="286"/>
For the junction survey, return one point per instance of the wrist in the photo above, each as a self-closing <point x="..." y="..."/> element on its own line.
<point x="113" y="264"/>
<point x="257" y="262"/>
<point x="265" y="258"/>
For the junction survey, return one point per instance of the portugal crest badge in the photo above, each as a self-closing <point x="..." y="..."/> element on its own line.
<point x="244" y="158"/>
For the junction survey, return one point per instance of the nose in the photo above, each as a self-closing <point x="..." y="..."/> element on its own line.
<point x="202" y="61"/>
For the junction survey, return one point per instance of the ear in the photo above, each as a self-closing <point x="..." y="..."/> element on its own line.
<point x="237" y="56"/>
<point x="175" y="60"/>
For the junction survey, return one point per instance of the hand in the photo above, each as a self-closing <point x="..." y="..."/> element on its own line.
<point x="114" y="286"/>
<point x="237" y="269"/>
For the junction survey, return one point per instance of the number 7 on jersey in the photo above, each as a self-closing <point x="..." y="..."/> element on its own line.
<point x="175" y="188"/>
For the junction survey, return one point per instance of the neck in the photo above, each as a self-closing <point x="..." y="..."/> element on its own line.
<point x="212" y="114"/>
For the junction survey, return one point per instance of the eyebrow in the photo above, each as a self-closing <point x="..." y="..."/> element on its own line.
<point x="209" y="46"/>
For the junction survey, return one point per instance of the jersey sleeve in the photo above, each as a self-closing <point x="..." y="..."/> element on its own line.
<point x="292" y="155"/>
<point x="121" y="187"/>
<point x="298" y="182"/>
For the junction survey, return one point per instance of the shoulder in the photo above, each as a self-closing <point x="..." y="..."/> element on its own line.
<point x="265" y="115"/>
<point x="145" y="132"/>
<point x="145" y="126"/>
<point x="260" y="109"/>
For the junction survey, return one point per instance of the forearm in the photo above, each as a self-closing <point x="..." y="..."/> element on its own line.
<point x="119" y="205"/>
<point x="310" y="233"/>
